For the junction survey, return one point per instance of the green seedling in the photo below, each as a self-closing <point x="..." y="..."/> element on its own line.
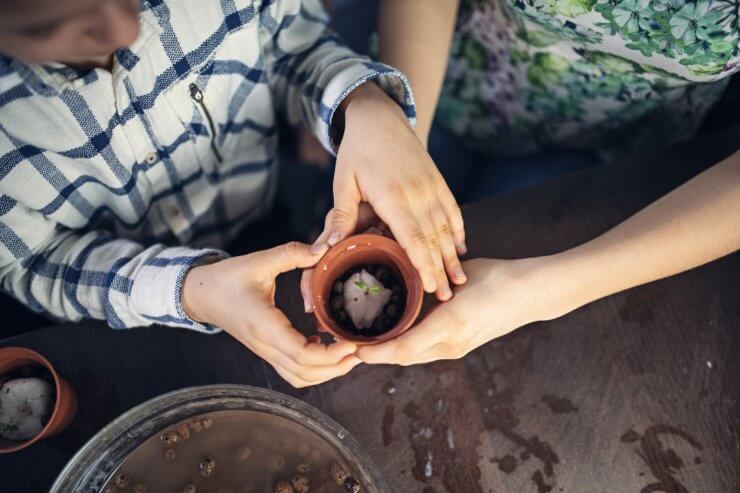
<point x="367" y="289"/>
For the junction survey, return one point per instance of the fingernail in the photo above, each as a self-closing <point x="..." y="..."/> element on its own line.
<point x="446" y="293"/>
<point x="307" y="305"/>
<point x="462" y="248"/>
<point x="460" y="274"/>
<point x="432" y="286"/>
<point x="334" y="238"/>
<point x="317" y="247"/>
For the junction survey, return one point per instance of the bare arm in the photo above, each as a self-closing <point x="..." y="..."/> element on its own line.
<point x="415" y="36"/>
<point x="694" y="224"/>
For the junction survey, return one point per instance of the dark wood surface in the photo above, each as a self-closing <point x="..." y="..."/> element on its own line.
<point x="635" y="393"/>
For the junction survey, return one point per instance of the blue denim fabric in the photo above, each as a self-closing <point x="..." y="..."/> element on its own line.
<point x="472" y="176"/>
<point x="355" y="21"/>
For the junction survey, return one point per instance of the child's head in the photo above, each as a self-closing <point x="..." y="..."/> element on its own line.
<point x="69" y="31"/>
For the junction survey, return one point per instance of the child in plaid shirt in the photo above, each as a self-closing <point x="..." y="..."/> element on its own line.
<point x="137" y="137"/>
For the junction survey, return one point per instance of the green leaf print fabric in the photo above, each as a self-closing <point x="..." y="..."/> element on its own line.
<point x="615" y="77"/>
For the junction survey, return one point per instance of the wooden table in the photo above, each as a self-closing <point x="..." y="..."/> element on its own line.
<point x="636" y="392"/>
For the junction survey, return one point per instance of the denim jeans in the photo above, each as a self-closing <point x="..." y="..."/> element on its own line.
<point x="472" y="176"/>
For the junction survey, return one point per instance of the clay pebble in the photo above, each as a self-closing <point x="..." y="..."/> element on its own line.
<point x="207" y="466"/>
<point x="351" y="485"/>
<point x="301" y="483"/>
<point x="338" y="472"/>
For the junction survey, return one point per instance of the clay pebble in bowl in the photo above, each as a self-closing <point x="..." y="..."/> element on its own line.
<point x="372" y="266"/>
<point x="222" y="438"/>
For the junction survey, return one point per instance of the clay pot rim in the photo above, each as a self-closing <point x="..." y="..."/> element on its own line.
<point x="23" y="352"/>
<point x="398" y="256"/>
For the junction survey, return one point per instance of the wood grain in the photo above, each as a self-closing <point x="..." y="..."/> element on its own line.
<point x="634" y="393"/>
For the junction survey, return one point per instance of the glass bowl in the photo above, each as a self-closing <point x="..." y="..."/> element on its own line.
<point x="95" y="463"/>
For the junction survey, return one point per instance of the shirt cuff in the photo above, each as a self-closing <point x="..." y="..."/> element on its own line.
<point x="392" y="81"/>
<point x="157" y="289"/>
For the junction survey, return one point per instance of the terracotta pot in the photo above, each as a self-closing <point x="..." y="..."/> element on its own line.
<point x="65" y="406"/>
<point x="357" y="250"/>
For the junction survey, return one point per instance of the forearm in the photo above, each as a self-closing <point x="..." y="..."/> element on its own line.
<point x="93" y="275"/>
<point x="694" y="224"/>
<point x="415" y="36"/>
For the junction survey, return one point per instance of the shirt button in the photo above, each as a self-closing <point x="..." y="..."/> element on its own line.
<point x="151" y="158"/>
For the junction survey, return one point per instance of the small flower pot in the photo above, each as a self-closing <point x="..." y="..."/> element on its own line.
<point x="360" y="250"/>
<point x="65" y="405"/>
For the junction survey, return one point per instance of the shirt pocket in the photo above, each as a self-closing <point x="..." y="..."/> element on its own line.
<point x="226" y="106"/>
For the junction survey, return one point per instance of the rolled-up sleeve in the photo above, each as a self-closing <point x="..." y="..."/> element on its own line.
<point x="311" y="71"/>
<point x="71" y="276"/>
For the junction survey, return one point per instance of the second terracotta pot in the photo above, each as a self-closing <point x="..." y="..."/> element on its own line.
<point x="357" y="250"/>
<point x="65" y="405"/>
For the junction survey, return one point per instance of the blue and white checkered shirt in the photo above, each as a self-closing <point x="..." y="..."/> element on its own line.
<point x="103" y="174"/>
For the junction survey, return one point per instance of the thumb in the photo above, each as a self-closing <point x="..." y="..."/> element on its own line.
<point x="290" y="256"/>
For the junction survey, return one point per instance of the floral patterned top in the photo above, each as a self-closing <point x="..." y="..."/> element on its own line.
<point x="614" y="77"/>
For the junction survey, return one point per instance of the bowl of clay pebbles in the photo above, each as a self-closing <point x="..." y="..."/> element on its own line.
<point x="35" y="401"/>
<point x="222" y="438"/>
<point x="366" y="290"/>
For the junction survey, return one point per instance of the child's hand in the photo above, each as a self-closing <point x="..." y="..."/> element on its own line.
<point x="381" y="161"/>
<point x="238" y="295"/>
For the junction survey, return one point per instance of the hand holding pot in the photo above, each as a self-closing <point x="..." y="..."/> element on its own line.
<point x="366" y="221"/>
<point x="500" y="296"/>
<point x="380" y="161"/>
<point x="238" y="295"/>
